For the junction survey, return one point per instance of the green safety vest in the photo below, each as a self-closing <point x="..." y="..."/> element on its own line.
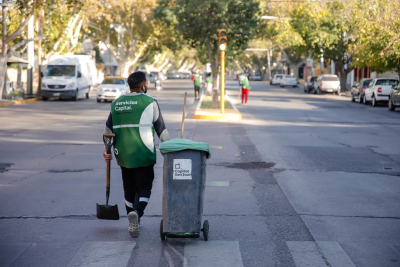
<point x="197" y="80"/>
<point x="132" y="118"/>
<point x="245" y="82"/>
<point x="210" y="79"/>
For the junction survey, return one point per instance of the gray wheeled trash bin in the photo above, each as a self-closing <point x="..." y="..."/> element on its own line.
<point x="184" y="179"/>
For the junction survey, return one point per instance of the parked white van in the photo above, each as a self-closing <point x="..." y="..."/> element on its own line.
<point x="68" y="77"/>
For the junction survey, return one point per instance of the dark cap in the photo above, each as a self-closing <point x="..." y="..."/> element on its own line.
<point x="135" y="79"/>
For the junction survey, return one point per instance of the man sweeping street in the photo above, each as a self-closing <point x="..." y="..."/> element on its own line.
<point x="133" y="119"/>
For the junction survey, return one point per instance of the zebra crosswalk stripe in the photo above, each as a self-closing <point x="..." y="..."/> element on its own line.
<point x="212" y="254"/>
<point x="101" y="254"/>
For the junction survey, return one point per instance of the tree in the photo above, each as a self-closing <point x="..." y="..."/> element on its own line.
<point x="378" y="40"/>
<point x="55" y="14"/>
<point x="124" y="26"/>
<point x="198" y="23"/>
<point x="326" y="28"/>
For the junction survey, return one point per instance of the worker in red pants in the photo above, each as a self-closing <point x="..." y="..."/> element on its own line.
<point x="245" y="88"/>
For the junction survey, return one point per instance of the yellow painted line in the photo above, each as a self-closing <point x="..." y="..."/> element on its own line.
<point x="210" y="114"/>
<point x="19" y="102"/>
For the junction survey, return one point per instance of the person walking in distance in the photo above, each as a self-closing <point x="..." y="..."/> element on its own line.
<point x="197" y="85"/>
<point x="134" y="118"/>
<point x="244" y="82"/>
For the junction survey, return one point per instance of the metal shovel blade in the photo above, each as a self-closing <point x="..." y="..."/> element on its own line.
<point x="107" y="212"/>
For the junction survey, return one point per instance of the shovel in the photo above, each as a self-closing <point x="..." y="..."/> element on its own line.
<point x="106" y="212"/>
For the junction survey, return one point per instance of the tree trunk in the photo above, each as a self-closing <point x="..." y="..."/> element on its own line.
<point x="3" y="73"/>
<point x="398" y="70"/>
<point x="342" y="72"/>
<point x="343" y="80"/>
<point x="214" y="71"/>
<point x="121" y="67"/>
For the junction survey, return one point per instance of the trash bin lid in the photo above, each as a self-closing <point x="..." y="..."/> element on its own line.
<point x="183" y="144"/>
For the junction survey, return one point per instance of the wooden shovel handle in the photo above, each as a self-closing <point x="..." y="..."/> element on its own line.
<point x="108" y="173"/>
<point x="109" y="134"/>
<point x="183" y="115"/>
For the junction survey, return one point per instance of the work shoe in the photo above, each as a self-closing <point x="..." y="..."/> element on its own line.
<point x="133" y="229"/>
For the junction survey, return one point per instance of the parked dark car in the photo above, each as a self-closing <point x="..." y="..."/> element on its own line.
<point x="358" y="91"/>
<point x="309" y="84"/>
<point x="394" y="98"/>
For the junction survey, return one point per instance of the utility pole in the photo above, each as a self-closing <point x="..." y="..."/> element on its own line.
<point x="4" y="48"/>
<point x="322" y="61"/>
<point x="40" y="27"/>
<point x="222" y="47"/>
<point x="31" y="56"/>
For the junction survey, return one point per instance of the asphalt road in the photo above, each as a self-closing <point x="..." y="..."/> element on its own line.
<point x="302" y="180"/>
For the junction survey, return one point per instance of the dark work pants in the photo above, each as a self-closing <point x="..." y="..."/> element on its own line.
<point x="196" y="89"/>
<point x="137" y="187"/>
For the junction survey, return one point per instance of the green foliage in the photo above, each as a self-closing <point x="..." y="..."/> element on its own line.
<point x="377" y="43"/>
<point x="198" y="23"/>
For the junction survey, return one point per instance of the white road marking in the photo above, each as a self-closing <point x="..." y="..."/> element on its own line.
<point x="305" y="254"/>
<point x="103" y="254"/>
<point x="213" y="254"/>
<point x="217" y="183"/>
<point x="334" y="254"/>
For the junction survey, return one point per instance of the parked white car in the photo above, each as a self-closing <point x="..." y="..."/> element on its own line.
<point x="379" y="90"/>
<point x="112" y="87"/>
<point x="68" y="76"/>
<point x="289" y="80"/>
<point x="277" y="79"/>
<point x="327" y="83"/>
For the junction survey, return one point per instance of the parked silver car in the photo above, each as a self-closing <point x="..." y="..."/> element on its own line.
<point x="327" y="83"/>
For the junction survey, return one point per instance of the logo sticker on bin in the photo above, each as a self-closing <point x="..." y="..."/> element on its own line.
<point x="182" y="169"/>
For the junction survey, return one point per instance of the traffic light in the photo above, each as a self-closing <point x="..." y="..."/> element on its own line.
<point x="222" y="39"/>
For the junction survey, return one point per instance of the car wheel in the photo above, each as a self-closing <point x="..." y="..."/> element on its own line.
<point x="87" y="95"/>
<point x="365" y="100"/>
<point x="391" y="107"/>
<point x="352" y="98"/>
<point x="360" y="99"/>
<point x="374" y="102"/>
<point x="98" y="100"/>
<point x="75" y="97"/>
<point x="44" y="98"/>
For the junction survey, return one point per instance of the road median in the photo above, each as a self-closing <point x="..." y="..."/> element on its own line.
<point x="19" y="102"/>
<point x="205" y="111"/>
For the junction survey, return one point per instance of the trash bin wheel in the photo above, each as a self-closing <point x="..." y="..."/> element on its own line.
<point x="205" y="229"/>
<point x="162" y="235"/>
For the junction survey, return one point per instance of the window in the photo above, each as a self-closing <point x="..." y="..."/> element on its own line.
<point x="313" y="79"/>
<point x="290" y="77"/>
<point x="387" y="82"/>
<point x="60" y="70"/>
<point x="366" y="83"/>
<point x="113" y="81"/>
<point x="330" y="78"/>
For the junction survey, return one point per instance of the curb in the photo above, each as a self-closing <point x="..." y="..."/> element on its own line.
<point x="19" y="102"/>
<point x="206" y="114"/>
